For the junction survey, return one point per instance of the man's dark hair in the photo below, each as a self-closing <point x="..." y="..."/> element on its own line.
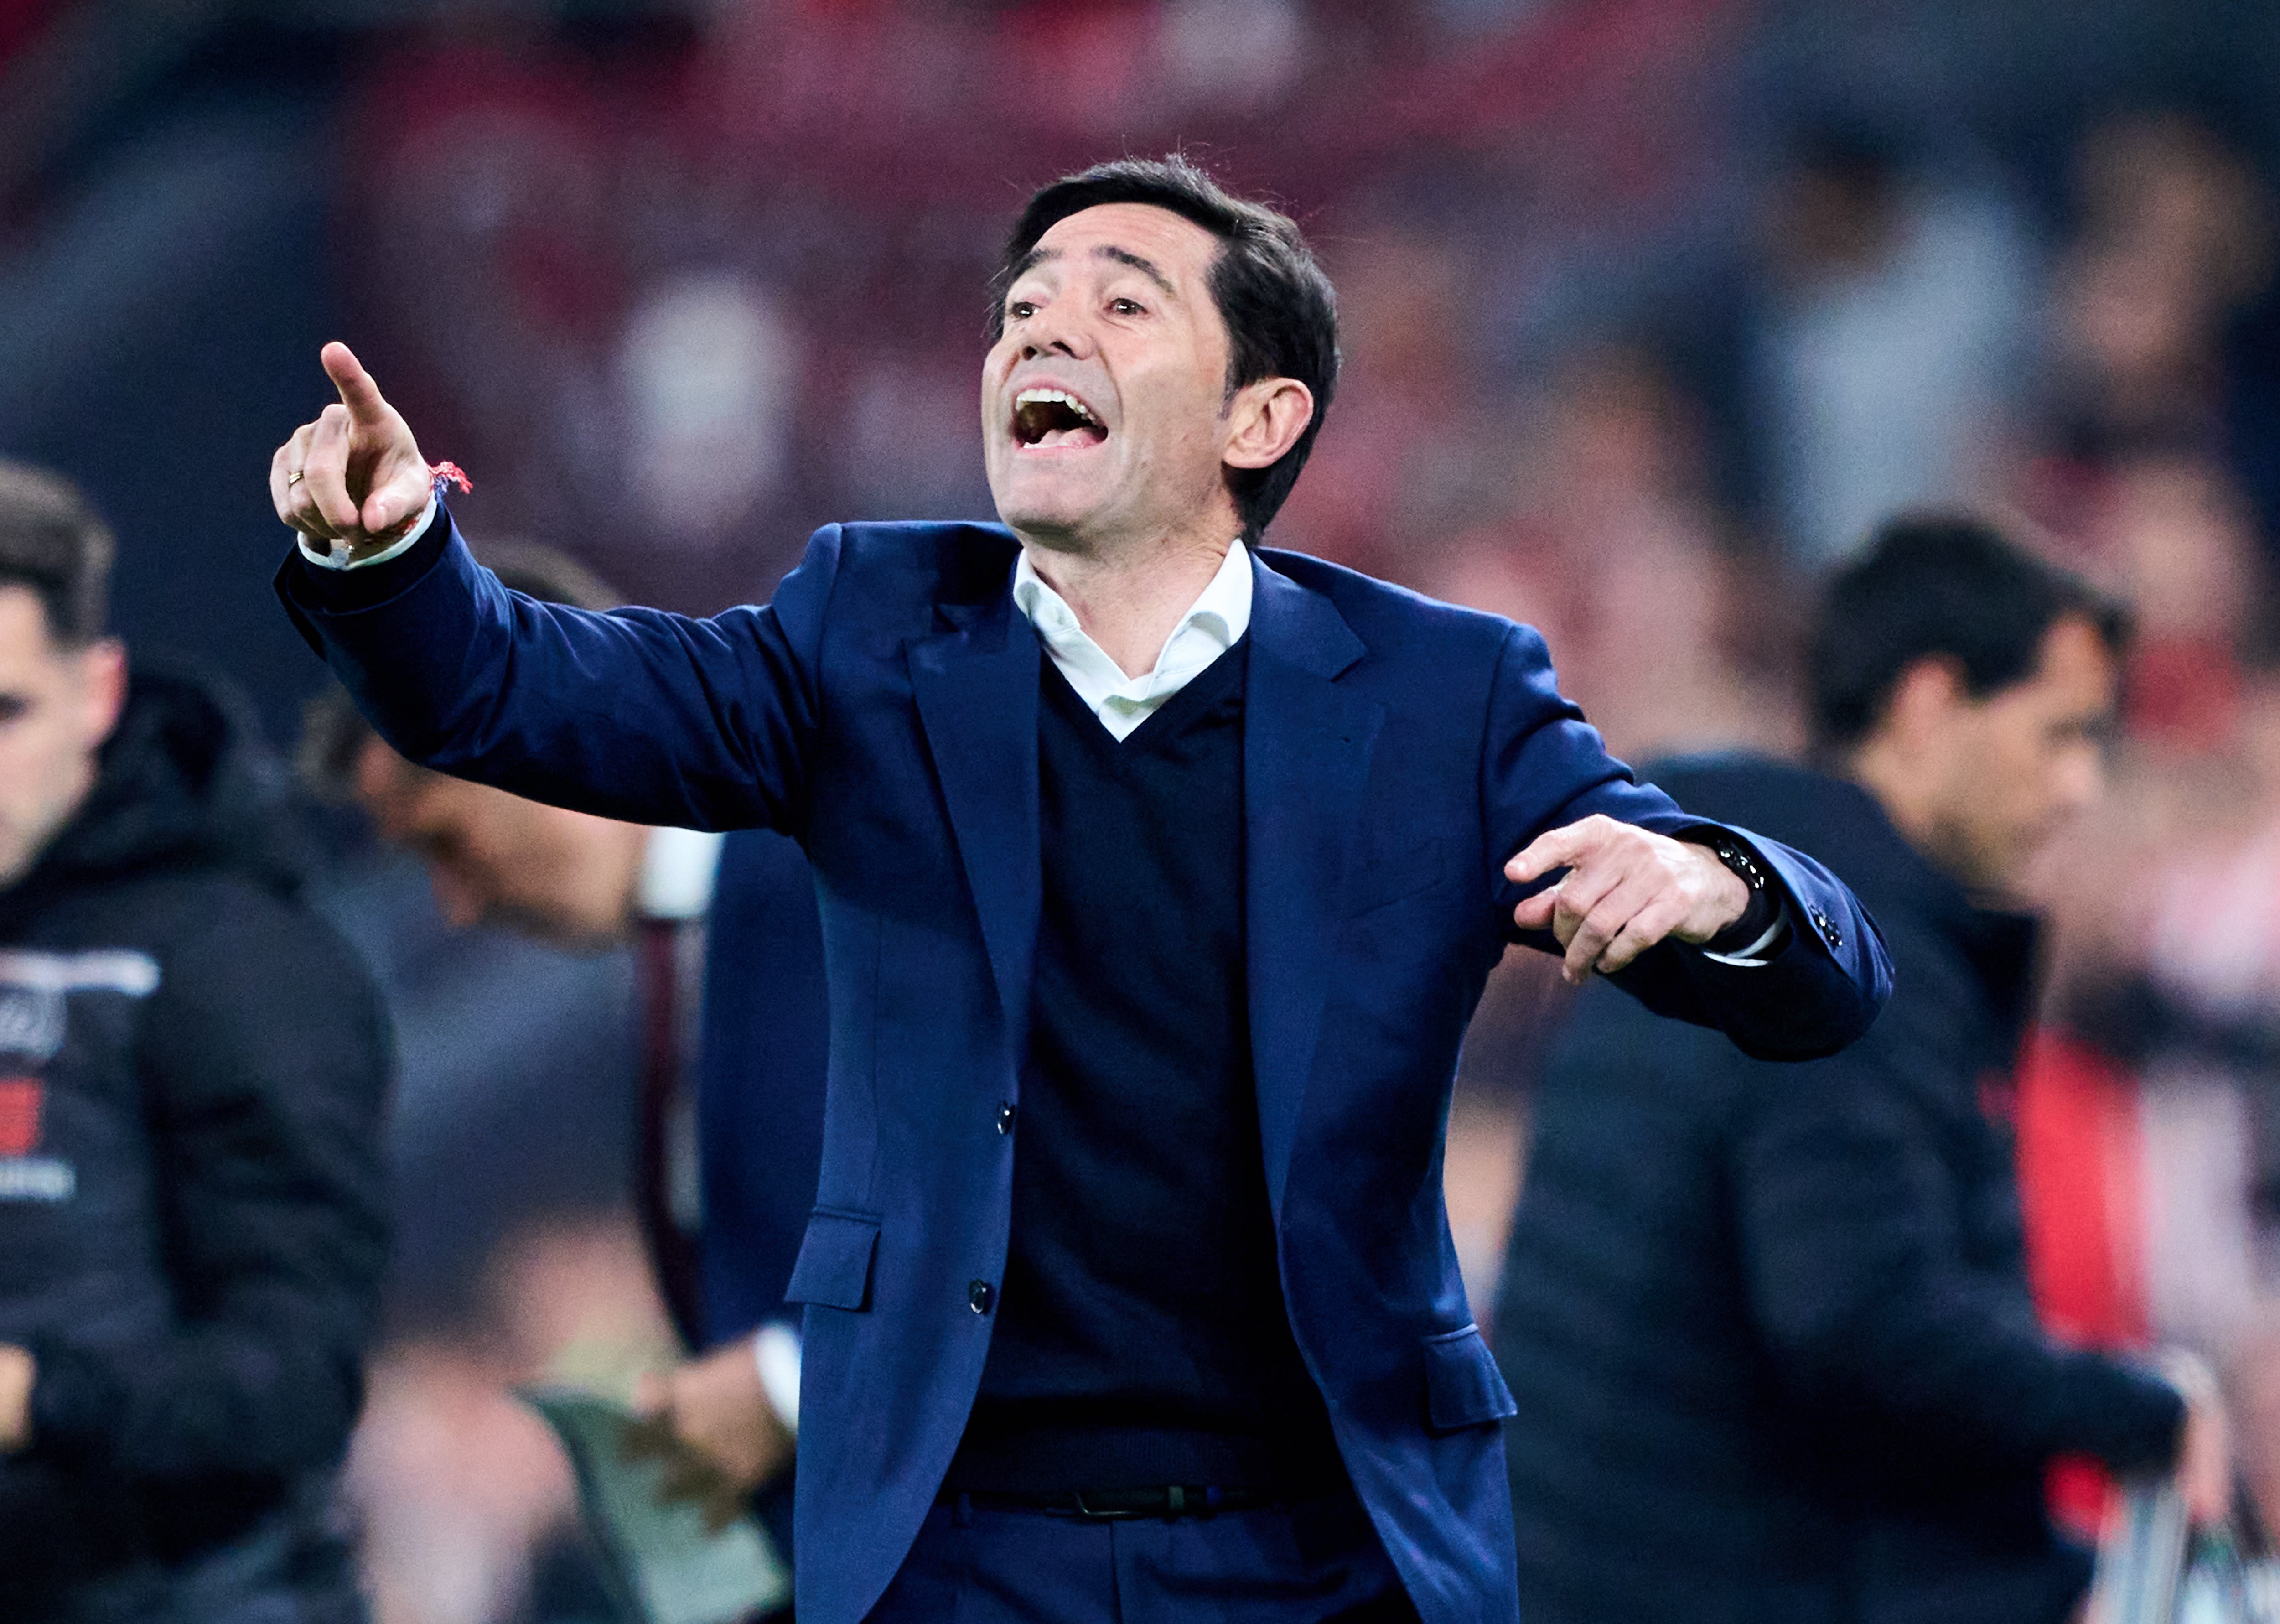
<point x="333" y="734"/>
<point x="1939" y="585"/>
<point x="53" y="541"/>
<point x="1281" y="311"/>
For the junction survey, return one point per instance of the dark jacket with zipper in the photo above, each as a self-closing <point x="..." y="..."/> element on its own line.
<point x="1768" y="1326"/>
<point x="192" y="1223"/>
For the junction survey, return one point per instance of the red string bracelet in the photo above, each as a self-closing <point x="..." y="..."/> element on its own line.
<point x="442" y="473"/>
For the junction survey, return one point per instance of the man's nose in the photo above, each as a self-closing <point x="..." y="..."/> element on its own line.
<point x="1054" y="332"/>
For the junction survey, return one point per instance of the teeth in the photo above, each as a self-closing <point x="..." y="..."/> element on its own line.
<point x="1042" y="398"/>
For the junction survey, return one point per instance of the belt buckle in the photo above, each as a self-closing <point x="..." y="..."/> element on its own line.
<point x="1177" y="1502"/>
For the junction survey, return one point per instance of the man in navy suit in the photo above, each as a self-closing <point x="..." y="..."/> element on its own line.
<point x="1159" y="875"/>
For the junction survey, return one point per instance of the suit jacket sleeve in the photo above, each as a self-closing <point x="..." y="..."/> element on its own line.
<point x="636" y="714"/>
<point x="1863" y="1292"/>
<point x="1544" y="768"/>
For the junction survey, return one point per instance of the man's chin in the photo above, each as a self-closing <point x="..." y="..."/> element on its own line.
<point x="1047" y="502"/>
<point x="1048" y="523"/>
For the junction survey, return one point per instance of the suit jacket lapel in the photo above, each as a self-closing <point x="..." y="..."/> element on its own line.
<point x="1306" y="760"/>
<point x="976" y="685"/>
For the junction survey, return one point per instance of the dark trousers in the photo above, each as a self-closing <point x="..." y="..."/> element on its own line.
<point x="1306" y="1563"/>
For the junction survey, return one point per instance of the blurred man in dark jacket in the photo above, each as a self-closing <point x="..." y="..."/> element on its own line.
<point x="1768" y="1326"/>
<point x="192" y="1071"/>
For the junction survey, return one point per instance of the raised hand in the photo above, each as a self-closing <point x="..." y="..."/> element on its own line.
<point x="355" y="474"/>
<point x="1626" y="890"/>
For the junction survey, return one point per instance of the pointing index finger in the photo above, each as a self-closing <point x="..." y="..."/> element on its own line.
<point x="358" y="392"/>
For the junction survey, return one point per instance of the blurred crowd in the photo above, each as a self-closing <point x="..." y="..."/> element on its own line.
<point x="1649" y="314"/>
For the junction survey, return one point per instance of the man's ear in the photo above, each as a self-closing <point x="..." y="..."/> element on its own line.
<point x="1928" y="692"/>
<point x="1264" y="421"/>
<point x="102" y="690"/>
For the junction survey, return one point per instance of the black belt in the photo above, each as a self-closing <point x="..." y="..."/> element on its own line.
<point x="1123" y="1504"/>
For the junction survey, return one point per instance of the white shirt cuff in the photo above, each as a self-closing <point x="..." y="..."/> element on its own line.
<point x="338" y="558"/>
<point x="1753" y="957"/>
<point x="775" y="1354"/>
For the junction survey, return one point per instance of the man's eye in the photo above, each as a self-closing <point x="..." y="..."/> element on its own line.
<point x="1125" y="307"/>
<point x="12" y="707"/>
<point x="1021" y="310"/>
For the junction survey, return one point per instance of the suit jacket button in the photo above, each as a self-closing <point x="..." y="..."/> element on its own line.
<point x="978" y="1297"/>
<point x="1005" y="1119"/>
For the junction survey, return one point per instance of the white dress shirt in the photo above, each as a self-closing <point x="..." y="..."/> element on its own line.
<point x="1213" y="624"/>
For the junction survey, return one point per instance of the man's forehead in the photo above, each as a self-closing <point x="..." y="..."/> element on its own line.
<point x="2074" y="670"/>
<point x="1136" y="234"/>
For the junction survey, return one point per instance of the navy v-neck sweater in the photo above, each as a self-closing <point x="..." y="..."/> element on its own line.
<point x="1142" y="1337"/>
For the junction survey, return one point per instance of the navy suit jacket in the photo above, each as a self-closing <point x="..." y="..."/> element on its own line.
<point x="882" y="711"/>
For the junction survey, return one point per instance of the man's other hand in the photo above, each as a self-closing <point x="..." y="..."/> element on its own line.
<point x="1626" y="890"/>
<point x="355" y="474"/>
<point x="718" y="1412"/>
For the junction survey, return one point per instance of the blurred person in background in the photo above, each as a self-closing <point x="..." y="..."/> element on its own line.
<point x="2163" y="407"/>
<point x="1769" y="1329"/>
<point x="1617" y="552"/>
<point x="2174" y="244"/>
<point x="1870" y="346"/>
<point x="731" y="1100"/>
<point x="192" y="1073"/>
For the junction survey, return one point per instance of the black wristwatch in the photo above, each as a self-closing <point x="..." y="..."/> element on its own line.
<point x="1765" y="907"/>
<point x="1744" y="866"/>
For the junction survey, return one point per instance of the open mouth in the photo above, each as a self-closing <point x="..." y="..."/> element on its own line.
<point x="1046" y="419"/>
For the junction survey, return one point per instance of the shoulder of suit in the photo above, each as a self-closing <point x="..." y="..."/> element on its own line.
<point x="928" y="543"/>
<point x="1381" y="613"/>
<point x="932" y="561"/>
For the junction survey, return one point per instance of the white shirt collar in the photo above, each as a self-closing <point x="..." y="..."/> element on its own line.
<point x="678" y="869"/>
<point x="1213" y="625"/>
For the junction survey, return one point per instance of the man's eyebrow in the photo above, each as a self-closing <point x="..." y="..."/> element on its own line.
<point x="1030" y="261"/>
<point x="1147" y="268"/>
